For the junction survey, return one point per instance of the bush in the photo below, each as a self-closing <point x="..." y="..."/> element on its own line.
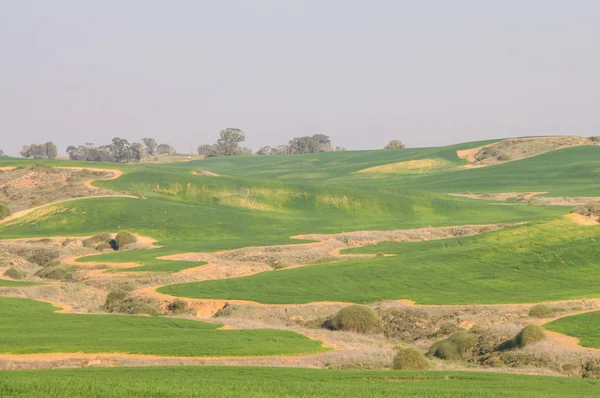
<point x="42" y="257"/>
<point x="146" y="309"/>
<point x="355" y="318"/>
<point x="115" y="296"/>
<point x="124" y="238"/>
<point x="504" y="158"/>
<point x="96" y="239"/>
<point x="457" y="346"/>
<point x="178" y="306"/>
<point x="58" y="272"/>
<point x="68" y="241"/>
<point x="104" y="246"/>
<point x="15" y="273"/>
<point x="4" y="211"/>
<point x="542" y="311"/>
<point x="595" y="138"/>
<point x="529" y="335"/>
<point x="411" y="359"/>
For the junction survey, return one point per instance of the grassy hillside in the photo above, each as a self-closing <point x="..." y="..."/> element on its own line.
<point x="282" y="382"/>
<point x="586" y="327"/>
<point x="30" y="327"/>
<point x="542" y="261"/>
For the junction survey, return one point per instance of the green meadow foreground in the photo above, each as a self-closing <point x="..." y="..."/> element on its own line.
<point x="469" y="243"/>
<point x="31" y="327"/>
<point x="282" y="382"/>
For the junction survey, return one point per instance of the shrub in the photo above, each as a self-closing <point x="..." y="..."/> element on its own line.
<point x="42" y="257"/>
<point x="15" y="273"/>
<point x="504" y="157"/>
<point x="68" y="241"/>
<point x="178" y="306"/>
<point x="124" y="238"/>
<point x="114" y="296"/>
<point x="145" y="309"/>
<point x="542" y="311"/>
<point x="58" y="272"/>
<point x="96" y="239"/>
<point x="529" y="335"/>
<point x="355" y="318"/>
<point x="411" y="359"/>
<point x="457" y="346"/>
<point x="104" y="246"/>
<point x="595" y="138"/>
<point x="4" y="211"/>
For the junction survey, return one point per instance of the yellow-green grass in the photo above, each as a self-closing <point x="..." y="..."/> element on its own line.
<point x="543" y="261"/>
<point x="9" y="283"/>
<point x="31" y="327"/>
<point x="586" y="327"/>
<point x="232" y="382"/>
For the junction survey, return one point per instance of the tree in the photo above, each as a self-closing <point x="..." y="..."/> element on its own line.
<point x="206" y="149"/>
<point x="266" y="150"/>
<point x="244" y="151"/>
<point x="229" y="141"/>
<point x="281" y="150"/>
<point x="119" y="148"/>
<point x="36" y="151"/>
<point x="1" y="152"/>
<point x="50" y="150"/>
<point x="150" y="146"/>
<point x="137" y="151"/>
<point x="305" y="144"/>
<point x="394" y="144"/>
<point x="340" y="149"/>
<point x="164" y="149"/>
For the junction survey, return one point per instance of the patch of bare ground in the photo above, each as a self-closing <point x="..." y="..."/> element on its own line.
<point x="26" y="188"/>
<point x="366" y="238"/>
<point x="582" y="219"/>
<point x="205" y="173"/>
<point x="519" y="148"/>
<point x="532" y="198"/>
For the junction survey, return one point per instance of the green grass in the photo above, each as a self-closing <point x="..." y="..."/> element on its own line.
<point x="30" y="327"/>
<point x="543" y="261"/>
<point x="231" y="382"/>
<point x="586" y="327"/>
<point x="9" y="283"/>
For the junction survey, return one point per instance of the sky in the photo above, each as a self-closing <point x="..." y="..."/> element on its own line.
<point x="363" y="72"/>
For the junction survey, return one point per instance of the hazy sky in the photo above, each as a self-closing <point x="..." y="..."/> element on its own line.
<point x="363" y="72"/>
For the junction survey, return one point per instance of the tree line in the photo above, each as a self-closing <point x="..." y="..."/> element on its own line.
<point x="120" y="150"/>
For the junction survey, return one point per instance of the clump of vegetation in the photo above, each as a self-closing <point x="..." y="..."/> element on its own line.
<point x="4" y="211"/>
<point x="543" y="311"/>
<point x="595" y="138"/>
<point x="41" y="256"/>
<point x="504" y="158"/>
<point x="124" y="238"/>
<point x="178" y="306"/>
<point x="121" y="301"/>
<point x="104" y="246"/>
<point x="457" y="346"/>
<point x="411" y="359"/>
<point x="15" y="273"/>
<point x="355" y="318"/>
<point x="57" y="271"/>
<point x="68" y="242"/>
<point x="530" y="334"/>
<point x="96" y="240"/>
<point x="590" y="209"/>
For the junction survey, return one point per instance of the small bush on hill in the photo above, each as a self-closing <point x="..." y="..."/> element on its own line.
<point x="121" y="301"/>
<point x="58" y="272"/>
<point x="15" y="273"/>
<point x="411" y="359"/>
<point x="457" y="346"/>
<point x="504" y="158"/>
<point x="124" y="238"/>
<point x="543" y="311"/>
<point x="355" y="318"/>
<point x="4" y="211"/>
<point x="104" y="246"/>
<point x="178" y="306"/>
<point x="42" y="257"/>
<point x="529" y="335"/>
<point x="595" y="138"/>
<point x="589" y="209"/>
<point x="96" y="239"/>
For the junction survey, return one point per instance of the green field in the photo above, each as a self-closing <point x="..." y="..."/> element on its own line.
<point x="31" y="327"/>
<point x="283" y="382"/>
<point x="9" y="283"/>
<point x="586" y="327"/>
<point x="542" y="261"/>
